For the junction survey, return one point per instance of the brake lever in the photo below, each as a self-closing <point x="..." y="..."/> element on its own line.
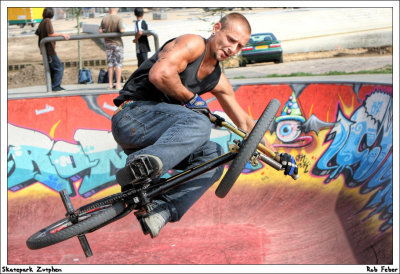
<point x="216" y="119"/>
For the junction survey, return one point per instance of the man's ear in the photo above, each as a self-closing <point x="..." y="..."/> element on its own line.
<point x="217" y="27"/>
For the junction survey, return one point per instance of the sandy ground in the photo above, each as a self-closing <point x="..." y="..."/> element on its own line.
<point x="33" y="73"/>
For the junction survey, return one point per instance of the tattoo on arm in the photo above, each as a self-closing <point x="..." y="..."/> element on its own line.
<point x="165" y="51"/>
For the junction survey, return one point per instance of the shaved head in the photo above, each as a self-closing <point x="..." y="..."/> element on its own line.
<point x="234" y="16"/>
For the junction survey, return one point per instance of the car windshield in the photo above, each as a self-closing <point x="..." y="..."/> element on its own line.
<point x="261" y="38"/>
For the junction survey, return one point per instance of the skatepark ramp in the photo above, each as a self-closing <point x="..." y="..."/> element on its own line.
<point x="340" y="211"/>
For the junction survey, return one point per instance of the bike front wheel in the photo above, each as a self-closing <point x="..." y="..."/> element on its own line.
<point x="65" y="228"/>
<point x="249" y="146"/>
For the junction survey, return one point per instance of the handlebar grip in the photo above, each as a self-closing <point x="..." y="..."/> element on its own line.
<point x="271" y="162"/>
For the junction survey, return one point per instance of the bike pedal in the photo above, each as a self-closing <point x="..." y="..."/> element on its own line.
<point x="140" y="170"/>
<point x="140" y="167"/>
<point x="140" y="212"/>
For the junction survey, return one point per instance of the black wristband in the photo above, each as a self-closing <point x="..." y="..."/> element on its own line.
<point x="192" y="100"/>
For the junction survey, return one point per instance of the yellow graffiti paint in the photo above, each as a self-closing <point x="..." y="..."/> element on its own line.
<point x="311" y="109"/>
<point x="53" y="129"/>
<point x="249" y="111"/>
<point x="348" y="110"/>
<point x="36" y="191"/>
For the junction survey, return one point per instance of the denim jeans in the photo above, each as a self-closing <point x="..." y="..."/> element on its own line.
<point x="56" y="71"/>
<point x="179" y="136"/>
<point x="141" y="57"/>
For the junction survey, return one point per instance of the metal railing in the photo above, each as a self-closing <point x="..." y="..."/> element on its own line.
<point x="81" y="37"/>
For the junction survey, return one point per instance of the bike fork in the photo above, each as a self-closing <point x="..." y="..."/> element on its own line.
<point x="70" y="213"/>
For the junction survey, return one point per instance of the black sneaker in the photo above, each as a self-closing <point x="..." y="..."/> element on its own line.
<point x="142" y="167"/>
<point x="58" y="89"/>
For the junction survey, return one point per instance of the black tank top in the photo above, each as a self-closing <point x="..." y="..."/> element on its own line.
<point x="139" y="88"/>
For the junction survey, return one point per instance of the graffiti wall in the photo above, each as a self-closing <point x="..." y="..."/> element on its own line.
<point x="336" y="132"/>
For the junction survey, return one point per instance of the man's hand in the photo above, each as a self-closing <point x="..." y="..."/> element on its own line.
<point x="288" y="163"/>
<point x="196" y="103"/>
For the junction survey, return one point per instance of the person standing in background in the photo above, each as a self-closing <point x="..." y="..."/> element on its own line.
<point x="142" y="43"/>
<point x="45" y="29"/>
<point x="114" y="46"/>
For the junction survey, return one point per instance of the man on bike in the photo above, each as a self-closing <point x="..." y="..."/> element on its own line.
<point x="155" y="123"/>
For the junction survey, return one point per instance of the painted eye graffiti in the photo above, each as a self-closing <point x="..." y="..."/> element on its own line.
<point x="285" y="130"/>
<point x="288" y="131"/>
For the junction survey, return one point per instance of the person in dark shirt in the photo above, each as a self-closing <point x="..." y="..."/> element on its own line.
<point x="45" y="29"/>
<point x="162" y="120"/>
<point x="142" y="43"/>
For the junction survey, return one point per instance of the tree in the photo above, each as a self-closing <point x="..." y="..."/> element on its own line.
<point x="76" y="12"/>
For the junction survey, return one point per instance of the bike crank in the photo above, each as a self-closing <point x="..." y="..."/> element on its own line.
<point x="74" y="219"/>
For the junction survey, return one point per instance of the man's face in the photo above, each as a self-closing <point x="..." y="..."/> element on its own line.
<point x="230" y="40"/>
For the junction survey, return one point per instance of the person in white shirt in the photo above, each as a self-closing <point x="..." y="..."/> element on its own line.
<point x="142" y="43"/>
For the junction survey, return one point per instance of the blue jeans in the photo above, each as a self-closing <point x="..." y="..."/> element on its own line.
<point x="56" y="71"/>
<point x="179" y="136"/>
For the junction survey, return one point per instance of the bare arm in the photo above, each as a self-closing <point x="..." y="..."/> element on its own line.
<point x="66" y="36"/>
<point x="226" y="97"/>
<point x="137" y="36"/>
<point x="172" y="60"/>
<point x="139" y="33"/>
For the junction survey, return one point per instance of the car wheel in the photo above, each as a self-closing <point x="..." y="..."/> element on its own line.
<point x="280" y="60"/>
<point x="242" y="63"/>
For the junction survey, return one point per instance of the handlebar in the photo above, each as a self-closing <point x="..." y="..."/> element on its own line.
<point x="269" y="160"/>
<point x="272" y="163"/>
<point x="220" y="121"/>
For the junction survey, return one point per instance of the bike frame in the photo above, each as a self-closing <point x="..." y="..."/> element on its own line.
<point x="138" y="199"/>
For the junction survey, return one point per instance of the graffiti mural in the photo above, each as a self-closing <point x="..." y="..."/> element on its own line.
<point x="361" y="148"/>
<point x="291" y="123"/>
<point x="93" y="158"/>
<point x="60" y="146"/>
<point x="66" y="143"/>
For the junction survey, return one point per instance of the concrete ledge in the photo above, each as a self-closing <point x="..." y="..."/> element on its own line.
<point x="90" y="28"/>
<point x="73" y="90"/>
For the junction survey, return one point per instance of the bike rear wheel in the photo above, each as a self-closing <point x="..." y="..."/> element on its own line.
<point x="89" y="218"/>
<point x="249" y="146"/>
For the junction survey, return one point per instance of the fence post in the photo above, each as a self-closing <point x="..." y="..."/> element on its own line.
<point x="46" y="65"/>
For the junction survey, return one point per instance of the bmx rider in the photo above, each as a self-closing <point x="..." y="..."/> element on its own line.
<point x="155" y="121"/>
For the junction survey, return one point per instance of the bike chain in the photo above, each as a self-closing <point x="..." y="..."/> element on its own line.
<point x="119" y="196"/>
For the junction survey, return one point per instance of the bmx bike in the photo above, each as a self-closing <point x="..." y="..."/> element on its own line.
<point x="102" y="212"/>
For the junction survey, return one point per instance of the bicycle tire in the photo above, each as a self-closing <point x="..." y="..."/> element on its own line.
<point x="92" y="218"/>
<point x="248" y="148"/>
